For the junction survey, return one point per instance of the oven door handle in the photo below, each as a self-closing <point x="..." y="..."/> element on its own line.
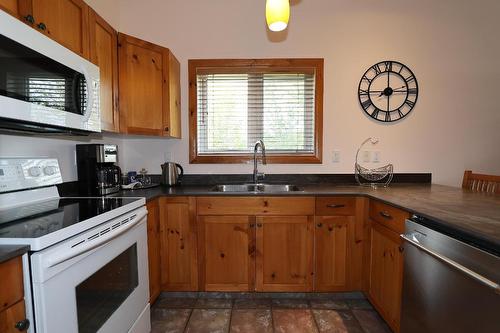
<point x="56" y="260"/>
<point x="454" y="264"/>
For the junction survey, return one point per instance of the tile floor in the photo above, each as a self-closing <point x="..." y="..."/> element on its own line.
<point x="276" y="313"/>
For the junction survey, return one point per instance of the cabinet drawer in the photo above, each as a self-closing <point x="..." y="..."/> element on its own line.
<point x="11" y="316"/>
<point x="255" y="206"/>
<point x="11" y="288"/>
<point x="391" y="217"/>
<point x="331" y="206"/>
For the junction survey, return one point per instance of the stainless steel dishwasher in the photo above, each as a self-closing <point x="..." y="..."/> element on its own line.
<point x="449" y="285"/>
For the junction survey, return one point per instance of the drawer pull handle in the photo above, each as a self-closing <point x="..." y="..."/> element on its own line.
<point x="22" y="325"/>
<point x="335" y="205"/>
<point x="386" y="215"/>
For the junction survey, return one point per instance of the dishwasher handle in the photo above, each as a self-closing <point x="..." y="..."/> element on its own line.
<point x="478" y="277"/>
<point x="56" y="260"/>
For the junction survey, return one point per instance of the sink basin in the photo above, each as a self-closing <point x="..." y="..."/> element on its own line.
<point x="256" y="188"/>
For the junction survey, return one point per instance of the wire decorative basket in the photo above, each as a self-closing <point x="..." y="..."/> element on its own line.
<point x="372" y="177"/>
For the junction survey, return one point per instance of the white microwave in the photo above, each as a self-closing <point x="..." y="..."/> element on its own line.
<point x="44" y="87"/>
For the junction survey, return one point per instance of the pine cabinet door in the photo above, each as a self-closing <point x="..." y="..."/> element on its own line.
<point x="284" y="253"/>
<point x="65" y="21"/>
<point x="227" y="248"/>
<point x="178" y="244"/>
<point x="386" y="268"/>
<point x="104" y="53"/>
<point x="332" y="236"/>
<point x="154" y="250"/>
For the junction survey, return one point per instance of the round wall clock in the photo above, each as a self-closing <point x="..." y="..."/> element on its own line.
<point x="388" y="91"/>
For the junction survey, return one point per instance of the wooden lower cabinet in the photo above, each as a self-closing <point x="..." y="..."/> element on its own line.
<point x="11" y="320"/>
<point x="154" y="250"/>
<point x="284" y="253"/>
<point x="226" y="246"/>
<point x="178" y="244"/>
<point x="386" y="273"/>
<point x="332" y="238"/>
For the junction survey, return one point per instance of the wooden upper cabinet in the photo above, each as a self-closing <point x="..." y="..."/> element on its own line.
<point x="149" y="88"/>
<point x="178" y="244"/>
<point x="104" y="53"/>
<point x="386" y="274"/>
<point x="154" y="250"/>
<point x="65" y="21"/>
<point x="11" y="7"/>
<point x="226" y="246"/>
<point x="284" y="253"/>
<point x="333" y="237"/>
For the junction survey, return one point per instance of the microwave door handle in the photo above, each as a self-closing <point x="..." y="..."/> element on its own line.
<point x="56" y="260"/>
<point x="454" y="264"/>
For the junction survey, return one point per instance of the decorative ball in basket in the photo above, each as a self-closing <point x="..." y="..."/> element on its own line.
<point x="381" y="176"/>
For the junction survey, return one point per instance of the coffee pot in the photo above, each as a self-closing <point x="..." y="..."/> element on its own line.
<point x="170" y="173"/>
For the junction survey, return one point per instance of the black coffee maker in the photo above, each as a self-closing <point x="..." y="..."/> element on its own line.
<point x="97" y="172"/>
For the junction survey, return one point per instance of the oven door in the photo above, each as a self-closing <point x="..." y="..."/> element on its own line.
<point x="43" y="83"/>
<point x="95" y="282"/>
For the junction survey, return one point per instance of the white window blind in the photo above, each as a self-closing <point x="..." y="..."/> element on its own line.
<point x="236" y="109"/>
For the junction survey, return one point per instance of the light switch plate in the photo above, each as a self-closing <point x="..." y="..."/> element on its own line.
<point x="336" y="156"/>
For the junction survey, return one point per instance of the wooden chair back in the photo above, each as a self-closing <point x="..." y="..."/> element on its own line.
<point x="481" y="183"/>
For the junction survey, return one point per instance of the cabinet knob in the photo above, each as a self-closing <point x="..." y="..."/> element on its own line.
<point x="259" y="225"/>
<point x="166" y="129"/>
<point x="41" y="26"/>
<point x="401" y="249"/>
<point x="335" y="205"/>
<point x="319" y="225"/>
<point x="385" y="215"/>
<point x="29" y="18"/>
<point x="22" y="325"/>
<point x="252" y="225"/>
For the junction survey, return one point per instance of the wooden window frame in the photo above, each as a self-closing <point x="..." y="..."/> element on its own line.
<point x="258" y="65"/>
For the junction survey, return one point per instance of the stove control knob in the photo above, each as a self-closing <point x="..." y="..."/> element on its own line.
<point x="34" y="171"/>
<point x="49" y="170"/>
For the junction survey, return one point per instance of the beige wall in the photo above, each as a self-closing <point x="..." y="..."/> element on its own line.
<point x="451" y="45"/>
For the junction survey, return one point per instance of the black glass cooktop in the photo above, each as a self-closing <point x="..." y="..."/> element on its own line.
<point x="39" y="219"/>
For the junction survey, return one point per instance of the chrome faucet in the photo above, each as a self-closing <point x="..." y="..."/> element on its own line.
<point x="256" y="173"/>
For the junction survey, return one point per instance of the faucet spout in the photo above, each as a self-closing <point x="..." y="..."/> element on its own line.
<point x="256" y="173"/>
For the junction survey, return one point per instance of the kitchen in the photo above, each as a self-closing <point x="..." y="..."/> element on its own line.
<point x="450" y="47"/>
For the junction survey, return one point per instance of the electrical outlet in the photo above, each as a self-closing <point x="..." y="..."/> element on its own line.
<point x="167" y="156"/>
<point x="366" y="156"/>
<point x="336" y="156"/>
<point x="376" y="156"/>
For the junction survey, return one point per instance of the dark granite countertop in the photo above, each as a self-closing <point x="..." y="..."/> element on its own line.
<point x="10" y="251"/>
<point x="453" y="210"/>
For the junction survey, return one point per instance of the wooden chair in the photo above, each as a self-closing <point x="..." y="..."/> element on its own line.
<point x="481" y="183"/>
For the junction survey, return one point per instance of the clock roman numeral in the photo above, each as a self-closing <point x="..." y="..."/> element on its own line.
<point x="375" y="113"/>
<point x="412" y="91"/>
<point x="411" y="104"/>
<point x="363" y="92"/>
<point x="366" y="104"/>
<point x="409" y="79"/>
<point x="377" y="69"/>
<point x="388" y="66"/>
<point x="387" y="116"/>
<point x="400" y="114"/>
<point x="366" y="78"/>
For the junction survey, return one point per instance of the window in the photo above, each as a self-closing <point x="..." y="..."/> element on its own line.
<point x="234" y="103"/>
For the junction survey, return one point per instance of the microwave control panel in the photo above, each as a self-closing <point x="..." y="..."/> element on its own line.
<point x="25" y="173"/>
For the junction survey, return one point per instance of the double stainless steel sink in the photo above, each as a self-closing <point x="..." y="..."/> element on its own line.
<point x="256" y="188"/>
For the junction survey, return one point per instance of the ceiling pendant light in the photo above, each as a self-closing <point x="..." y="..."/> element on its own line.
<point x="277" y="14"/>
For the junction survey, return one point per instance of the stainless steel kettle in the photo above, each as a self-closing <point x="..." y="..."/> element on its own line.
<point x="170" y="174"/>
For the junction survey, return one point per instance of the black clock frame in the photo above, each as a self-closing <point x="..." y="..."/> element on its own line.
<point x="388" y="66"/>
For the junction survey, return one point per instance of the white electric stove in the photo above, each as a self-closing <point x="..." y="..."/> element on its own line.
<point x="86" y="270"/>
